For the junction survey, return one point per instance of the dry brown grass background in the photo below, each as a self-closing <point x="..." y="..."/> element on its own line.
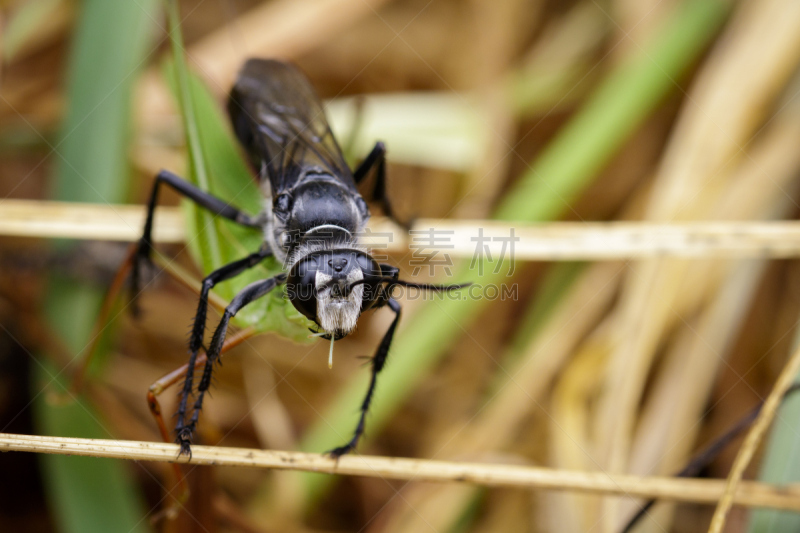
<point x="636" y="365"/>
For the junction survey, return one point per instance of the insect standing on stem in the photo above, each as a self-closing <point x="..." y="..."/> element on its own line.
<point x="311" y="220"/>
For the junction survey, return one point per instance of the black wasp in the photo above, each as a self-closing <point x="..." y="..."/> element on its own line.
<point x="312" y="217"/>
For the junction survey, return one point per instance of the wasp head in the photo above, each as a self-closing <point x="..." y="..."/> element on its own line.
<point x="328" y="287"/>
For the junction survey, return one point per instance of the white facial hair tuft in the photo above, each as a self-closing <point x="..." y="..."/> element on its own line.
<point x="338" y="315"/>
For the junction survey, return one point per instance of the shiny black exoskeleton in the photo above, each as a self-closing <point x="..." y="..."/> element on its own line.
<point x="313" y="214"/>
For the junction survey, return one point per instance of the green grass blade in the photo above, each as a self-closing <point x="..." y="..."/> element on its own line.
<point x="781" y="464"/>
<point x="107" y="52"/>
<point x="110" y="46"/>
<point x="208" y="240"/>
<point x="615" y="110"/>
<point x="575" y="156"/>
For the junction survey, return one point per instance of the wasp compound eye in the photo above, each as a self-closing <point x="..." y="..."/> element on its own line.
<point x="301" y="286"/>
<point x="370" y="271"/>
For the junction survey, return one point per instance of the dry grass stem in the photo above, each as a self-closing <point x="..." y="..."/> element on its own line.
<point x="753" y="439"/>
<point x="560" y="241"/>
<point x="31" y="218"/>
<point x="695" y="490"/>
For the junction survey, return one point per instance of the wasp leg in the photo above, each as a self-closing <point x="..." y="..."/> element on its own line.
<point x="247" y="295"/>
<point x="157" y="388"/>
<point x="153" y="404"/>
<point x="203" y="199"/>
<point x="378" y="362"/>
<point x="199" y="326"/>
<point x="377" y="160"/>
<point x="166" y="381"/>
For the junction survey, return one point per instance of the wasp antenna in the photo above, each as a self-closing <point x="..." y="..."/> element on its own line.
<point x="404" y="283"/>
<point x="430" y="287"/>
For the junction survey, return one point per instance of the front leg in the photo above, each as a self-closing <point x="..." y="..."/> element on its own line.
<point x="247" y="295"/>
<point x="199" y="326"/>
<point x="378" y="362"/>
<point x="208" y="201"/>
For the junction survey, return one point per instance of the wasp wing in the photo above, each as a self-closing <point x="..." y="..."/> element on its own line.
<point x="280" y="121"/>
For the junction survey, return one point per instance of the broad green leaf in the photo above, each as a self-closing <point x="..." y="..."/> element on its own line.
<point x="216" y="165"/>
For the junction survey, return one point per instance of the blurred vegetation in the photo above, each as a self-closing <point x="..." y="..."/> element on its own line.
<point x="91" y="166"/>
<point x="659" y="110"/>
